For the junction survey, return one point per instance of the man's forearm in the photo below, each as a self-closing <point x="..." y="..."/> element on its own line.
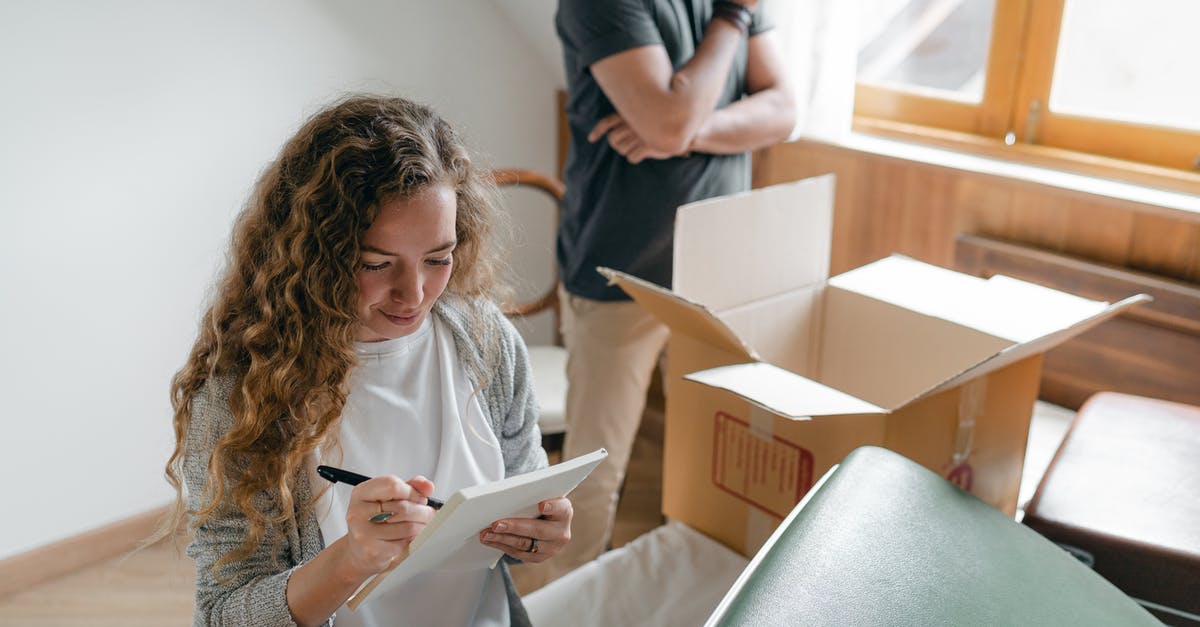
<point x="759" y="120"/>
<point x="665" y="107"/>
<point x="696" y="87"/>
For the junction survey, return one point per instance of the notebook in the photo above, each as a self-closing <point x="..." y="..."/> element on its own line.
<point x="451" y="540"/>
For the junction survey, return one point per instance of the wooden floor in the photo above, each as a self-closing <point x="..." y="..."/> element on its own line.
<point x="150" y="588"/>
<point x="153" y="587"/>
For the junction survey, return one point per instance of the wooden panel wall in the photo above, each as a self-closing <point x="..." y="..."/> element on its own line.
<point x="886" y="204"/>
<point x="1151" y="350"/>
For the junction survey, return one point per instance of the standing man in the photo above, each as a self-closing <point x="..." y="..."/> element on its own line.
<point x="665" y="99"/>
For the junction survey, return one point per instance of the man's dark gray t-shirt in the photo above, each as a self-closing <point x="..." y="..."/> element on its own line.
<point x="615" y="213"/>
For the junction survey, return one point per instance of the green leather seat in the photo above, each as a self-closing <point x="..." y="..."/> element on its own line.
<point x="883" y="541"/>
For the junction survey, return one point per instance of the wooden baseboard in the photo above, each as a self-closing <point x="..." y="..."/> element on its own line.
<point x="25" y="570"/>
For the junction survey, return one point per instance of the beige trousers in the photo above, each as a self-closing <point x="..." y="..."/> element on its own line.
<point x="612" y="348"/>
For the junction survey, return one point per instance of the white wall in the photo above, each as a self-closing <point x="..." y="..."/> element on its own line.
<point x="130" y="133"/>
<point x="534" y="19"/>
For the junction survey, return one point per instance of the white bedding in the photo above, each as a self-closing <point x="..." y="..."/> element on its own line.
<point x="673" y="575"/>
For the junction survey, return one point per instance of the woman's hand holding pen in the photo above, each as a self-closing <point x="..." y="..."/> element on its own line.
<point x="376" y="538"/>
<point x="533" y="539"/>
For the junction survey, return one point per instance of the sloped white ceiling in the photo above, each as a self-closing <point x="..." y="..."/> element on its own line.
<point x="534" y="21"/>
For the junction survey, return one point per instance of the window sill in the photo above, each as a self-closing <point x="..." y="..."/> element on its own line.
<point x="1173" y="190"/>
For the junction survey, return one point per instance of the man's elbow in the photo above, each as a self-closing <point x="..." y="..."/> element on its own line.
<point x="671" y="137"/>
<point x="785" y="114"/>
<point x="675" y="144"/>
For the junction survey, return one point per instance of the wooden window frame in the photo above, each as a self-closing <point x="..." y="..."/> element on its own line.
<point x="1020" y="71"/>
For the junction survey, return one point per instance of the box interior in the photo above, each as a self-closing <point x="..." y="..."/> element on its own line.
<point x="889" y="355"/>
<point x="784" y="329"/>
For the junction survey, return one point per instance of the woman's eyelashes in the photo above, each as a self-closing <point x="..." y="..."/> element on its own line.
<point x="376" y="267"/>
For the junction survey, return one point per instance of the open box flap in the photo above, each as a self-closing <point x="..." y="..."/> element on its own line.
<point x="1001" y="306"/>
<point x="680" y="314"/>
<point x="1018" y="352"/>
<point x="781" y="392"/>
<point x="736" y="249"/>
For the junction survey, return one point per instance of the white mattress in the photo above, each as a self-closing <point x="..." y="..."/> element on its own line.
<point x="673" y="575"/>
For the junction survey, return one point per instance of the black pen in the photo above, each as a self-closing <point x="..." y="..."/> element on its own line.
<point x="353" y="478"/>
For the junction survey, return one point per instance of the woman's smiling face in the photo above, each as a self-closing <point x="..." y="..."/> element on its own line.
<point x="407" y="257"/>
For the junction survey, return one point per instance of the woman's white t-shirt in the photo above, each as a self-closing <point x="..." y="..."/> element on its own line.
<point x="411" y="412"/>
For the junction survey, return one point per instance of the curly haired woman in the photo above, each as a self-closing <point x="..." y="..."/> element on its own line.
<point x="354" y="326"/>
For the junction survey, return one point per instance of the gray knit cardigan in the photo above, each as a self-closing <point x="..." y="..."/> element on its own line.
<point x="256" y="592"/>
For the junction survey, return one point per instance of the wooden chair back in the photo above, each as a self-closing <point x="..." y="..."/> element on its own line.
<point x="548" y="299"/>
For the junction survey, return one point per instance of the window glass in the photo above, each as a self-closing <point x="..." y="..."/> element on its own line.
<point x="934" y="47"/>
<point x="1129" y="61"/>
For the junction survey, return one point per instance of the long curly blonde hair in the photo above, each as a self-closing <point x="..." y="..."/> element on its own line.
<point x="283" y="320"/>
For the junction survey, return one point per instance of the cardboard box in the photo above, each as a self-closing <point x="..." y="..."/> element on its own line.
<point x="775" y="372"/>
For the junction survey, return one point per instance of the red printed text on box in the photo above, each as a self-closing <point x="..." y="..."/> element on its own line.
<point x="770" y="474"/>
